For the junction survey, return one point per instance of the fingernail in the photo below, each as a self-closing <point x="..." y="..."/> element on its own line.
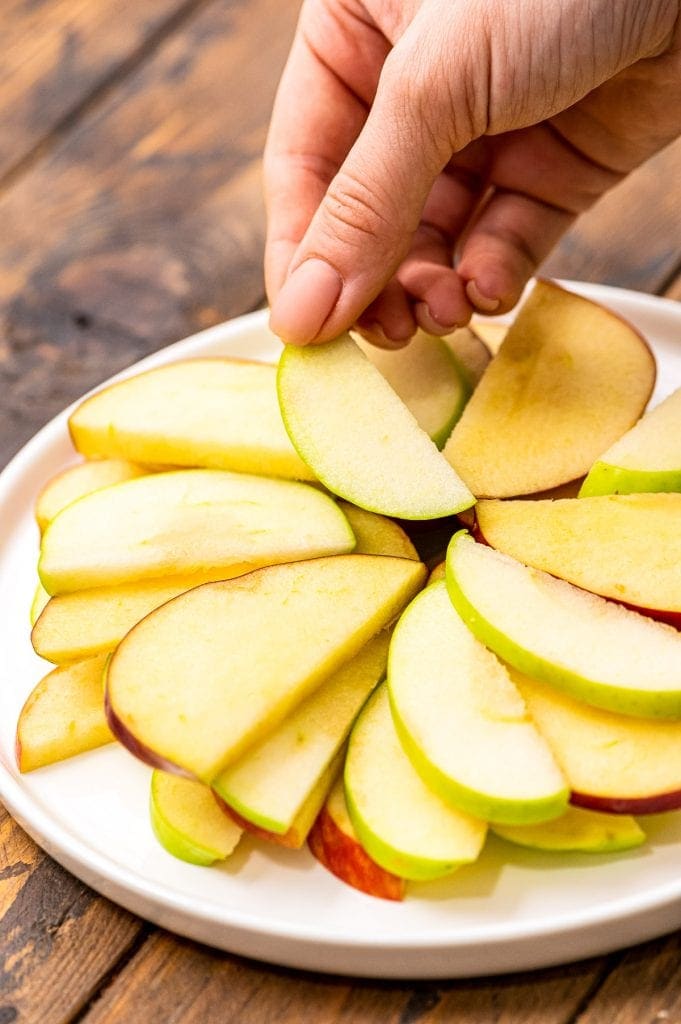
<point x="482" y="302"/>
<point x="305" y="302"/>
<point x="429" y="323"/>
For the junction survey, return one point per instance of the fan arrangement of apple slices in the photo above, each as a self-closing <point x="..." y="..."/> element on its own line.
<point x="225" y="591"/>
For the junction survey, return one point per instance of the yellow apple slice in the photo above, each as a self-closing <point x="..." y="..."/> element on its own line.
<point x="577" y="831"/>
<point x="402" y="824"/>
<point x="426" y="377"/>
<point x="188" y="522"/>
<point x="625" y="547"/>
<point x="334" y="843"/>
<point x="462" y="722"/>
<point x="490" y="332"/>
<point x="209" y="674"/>
<point x="79" y="480"/>
<point x="63" y="716"/>
<point x="646" y="458"/>
<point x="271" y="782"/>
<point x="218" y="413"/>
<point x="591" y="648"/>
<point x="569" y="379"/>
<point x="612" y="762"/>
<point x="377" y="535"/>
<point x="187" y="821"/>
<point x="40" y="599"/>
<point x="359" y="438"/>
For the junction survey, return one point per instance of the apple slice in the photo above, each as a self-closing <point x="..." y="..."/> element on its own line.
<point x="426" y="377"/>
<point x="462" y="722"/>
<point x="63" y="716"/>
<point x="577" y="831"/>
<point x="594" y="649"/>
<point x="402" y="824"/>
<point x="188" y="522"/>
<point x="625" y="547"/>
<point x="209" y="674"/>
<point x="646" y="458"/>
<point x="40" y="599"/>
<point x="271" y="782"/>
<point x="79" y="480"/>
<point x="187" y="821"/>
<point x="490" y="332"/>
<point x="569" y="379"/>
<point x="334" y="843"/>
<point x="613" y="763"/>
<point x="218" y="413"/>
<point x="471" y="353"/>
<point x="377" y="535"/>
<point x="359" y="438"/>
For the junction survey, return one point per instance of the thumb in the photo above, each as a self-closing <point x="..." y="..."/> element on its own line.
<point x="362" y="229"/>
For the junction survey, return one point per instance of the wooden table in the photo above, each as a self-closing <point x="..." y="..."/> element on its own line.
<point x="130" y="213"/>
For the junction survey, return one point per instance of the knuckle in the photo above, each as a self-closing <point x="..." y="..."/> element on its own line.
<point x="356" y="210"/>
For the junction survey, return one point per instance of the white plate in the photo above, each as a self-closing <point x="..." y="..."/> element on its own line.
<point x="513" y="910"/>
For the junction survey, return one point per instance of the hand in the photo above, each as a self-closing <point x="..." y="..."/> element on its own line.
<point x="425" y="155"/>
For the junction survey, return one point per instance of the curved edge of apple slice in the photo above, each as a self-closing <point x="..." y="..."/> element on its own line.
<point x="639" y="805"/>
<point x="604" y="478"/>
<point x="180" y="843"/>
<point x="579" y="830"/>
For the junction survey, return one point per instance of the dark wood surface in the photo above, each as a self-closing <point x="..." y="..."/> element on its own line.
<point x="130" y="141"/>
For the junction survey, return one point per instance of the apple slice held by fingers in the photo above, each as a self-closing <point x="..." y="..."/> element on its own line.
<point x="625" y="547"/>
<point x="463" y="723"/>
<point x="359" y="438"/>
<point x="646" y="458"/>
<point x="589" y="647"/>
<point x="79" y="480"/>
<point x="188" y="522"/>
<point x="187" y="821"/>
<point x="569" y="379"/>
<point x="211" y="673"/>
<point x="334" y="843"/>
<point x="218" y="413"/>
<point x="402" y="824"/>
<point x="471" y="353"/>
<point x="612" y="762"/>
<point x="577" y="831"/>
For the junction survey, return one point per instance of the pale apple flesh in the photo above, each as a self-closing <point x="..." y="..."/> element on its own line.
<point x="217" y="413"/>
<point x="359" y="438"/>
<point x="402" y="824"/>
<point x="594" y="649"/>
<point x="77" y="481"/>
<point x="471" y="353"/>
<point x="188" y="522"/>
<point x="463" y="723"/>
<point x="334" y="843"/>
<point x="187" y="822"/>
<point x="569" y="379"/>
<point x="210" y="673"/>
<point x="577" y="831"/>
<point x="376" y="534"/>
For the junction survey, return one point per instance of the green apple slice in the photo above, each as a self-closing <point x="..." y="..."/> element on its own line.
<point x="188" y="522"/>
<point x="596" y="650"/>
<point x="211" y="673"/>
<point x="377" y="535"/>
<point x="568" y="380"/>
<point x="426" y="377"/>
<point x="187" y="821"/>
<point x="577" y="831"/>
<point x="271" y="782"/>
<point x="218" y="413"/>
<point x="612" y="762"/>
<point x="646" y="458"/>
<point x="359" y="438"/>
<point x="402" y="824"/>
<point x="625" y="547"/>
<point x="77" y="481"/>
<point x="462" y="722"/>
<point x="471" y="354"/>
<point x="40" y="600"/>
<point x="63" y="716"/>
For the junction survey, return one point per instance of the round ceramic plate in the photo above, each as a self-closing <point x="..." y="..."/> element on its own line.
<point x="512" y="910"/>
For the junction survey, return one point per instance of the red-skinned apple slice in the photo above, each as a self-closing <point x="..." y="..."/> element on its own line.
<point x="218" y="413"/>
<point x="187" y="822"/>
<point x="212" y="672"/>
<point x="334" y="843"/>
<point x="625" y="547"/>
<point x="612" y="762"/>
<point x="594" y="649"/>
<point x="568" y="380"/>
<point x="359" y="438"/>
<point x="188" y="522"/>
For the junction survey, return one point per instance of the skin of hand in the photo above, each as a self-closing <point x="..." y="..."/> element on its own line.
<point x="425" y="155"/>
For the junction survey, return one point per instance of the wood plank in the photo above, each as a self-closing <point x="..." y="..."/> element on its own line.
<point x="56" y="52"/>
<point x="146" y="223"/>
<point x="630" y="238"/>
<point x="173" y="979"/>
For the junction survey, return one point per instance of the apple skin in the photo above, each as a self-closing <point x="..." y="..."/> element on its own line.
<point x="137" y="749"/>
<point x="603" y="478"/>
<point x="291" y="840"/>
<point x="580" y="830"/>
<point x="656" y="803"/>
<point x="345" y="857"/>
